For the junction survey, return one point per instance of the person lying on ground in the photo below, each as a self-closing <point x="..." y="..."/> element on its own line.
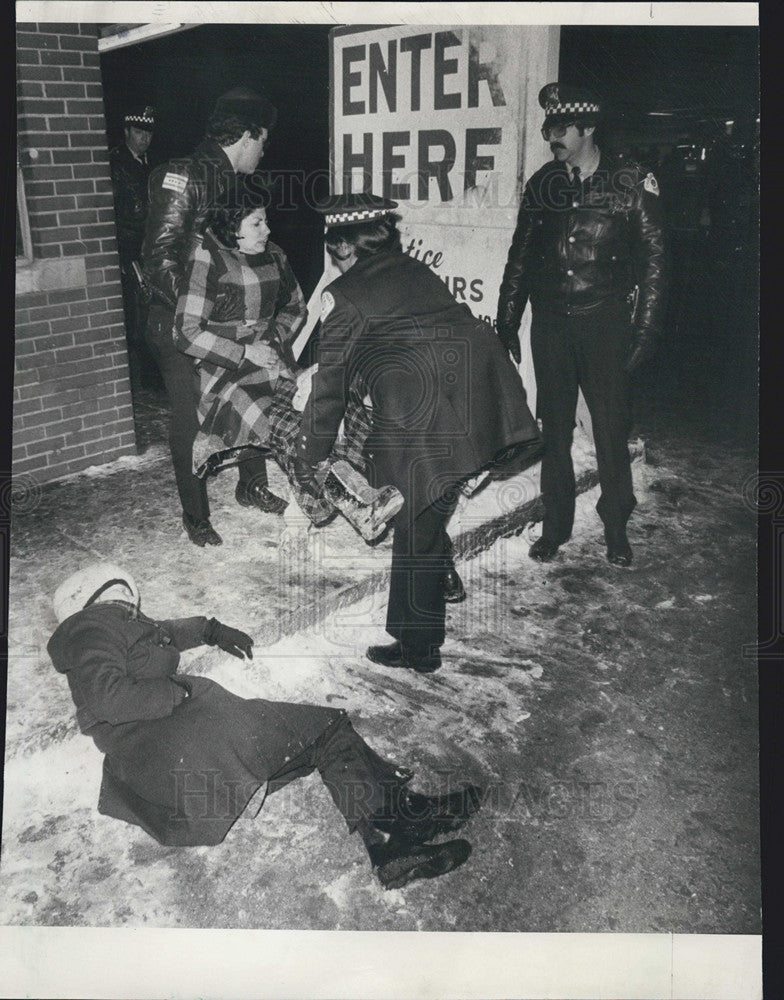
<point x="183" y="756"/>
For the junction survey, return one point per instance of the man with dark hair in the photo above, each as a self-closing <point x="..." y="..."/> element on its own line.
<point x="588" y="251"/>
<point x="181" y="194"/>
<point x="130" y="172"/>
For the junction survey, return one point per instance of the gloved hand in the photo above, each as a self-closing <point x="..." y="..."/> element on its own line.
<point x="511" y="341"/>
<point x="229" y="639"/>
<point x="642" y="350"/>
<point x="305" y="476"/>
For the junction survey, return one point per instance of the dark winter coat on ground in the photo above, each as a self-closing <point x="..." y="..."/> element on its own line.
<point x="221" y="292"/>
<point x="446" y="398"/>
<point x="181" y="767"/>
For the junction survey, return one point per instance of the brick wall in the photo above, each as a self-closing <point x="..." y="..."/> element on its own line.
<point x="72" y="399"/>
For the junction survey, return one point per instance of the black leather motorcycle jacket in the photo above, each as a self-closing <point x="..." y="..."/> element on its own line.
<point x="578" y="246"/>
<point x="182" y="192"/>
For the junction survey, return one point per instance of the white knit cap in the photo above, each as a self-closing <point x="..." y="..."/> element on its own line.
<point x="87" y="585"/>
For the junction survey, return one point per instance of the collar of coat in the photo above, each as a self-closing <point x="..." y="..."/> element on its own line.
<point x="626" y="172"/>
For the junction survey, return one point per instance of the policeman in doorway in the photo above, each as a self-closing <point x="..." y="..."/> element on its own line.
<point x="130" y="167"/>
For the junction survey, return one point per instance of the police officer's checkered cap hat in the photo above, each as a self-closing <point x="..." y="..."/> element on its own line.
<point x="140" y="116"/>
<point x="354" y="209"/>
<point x="562" y="101"/>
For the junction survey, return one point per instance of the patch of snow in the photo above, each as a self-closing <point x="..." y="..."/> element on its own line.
<point x="339" y="890"/>
<point x="153" y="454"/>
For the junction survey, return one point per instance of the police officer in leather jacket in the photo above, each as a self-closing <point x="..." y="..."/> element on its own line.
<point x="588" y="252"/>
<point x="181" y="194"/>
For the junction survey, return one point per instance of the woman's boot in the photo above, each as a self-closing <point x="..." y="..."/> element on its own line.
<point x="367" y="510"/>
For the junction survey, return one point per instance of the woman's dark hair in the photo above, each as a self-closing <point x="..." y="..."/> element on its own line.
<point x="225" y="222"/>
<point x="227" y="129"/>
<point x="244" y="198"/>
<point x="366" y="238"/>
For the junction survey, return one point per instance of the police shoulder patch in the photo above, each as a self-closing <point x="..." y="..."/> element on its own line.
<point x="327" y="305"/>
<point x="174" y="182"/>
<point x="651" y="185"/>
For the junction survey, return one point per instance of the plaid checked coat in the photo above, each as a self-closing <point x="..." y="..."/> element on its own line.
<point x="222" y="291"/>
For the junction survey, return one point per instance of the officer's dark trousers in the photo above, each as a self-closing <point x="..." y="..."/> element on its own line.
<point x="421" y="553"/>
<point x="182" y="388"/>
<point x="588" y="352"/>
<point x="135" y="310"/>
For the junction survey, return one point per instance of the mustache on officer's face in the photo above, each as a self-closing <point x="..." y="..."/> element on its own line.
<point x="557" y="145"/>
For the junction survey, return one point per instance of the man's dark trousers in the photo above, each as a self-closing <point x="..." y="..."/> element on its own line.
<point x="361" y="783"/>
<point x="416" y="611"/>
<point x="588" y="351"/>
<point x="179" y="377"/>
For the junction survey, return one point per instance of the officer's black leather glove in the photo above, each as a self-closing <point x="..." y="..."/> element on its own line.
<point x="511" y="341"/>
<point x="305" y="477"/>
<point x="230" y="640"/>
<point x="642" y="350"/>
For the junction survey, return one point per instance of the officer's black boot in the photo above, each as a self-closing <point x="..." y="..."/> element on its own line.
<point x="619" y="552"/>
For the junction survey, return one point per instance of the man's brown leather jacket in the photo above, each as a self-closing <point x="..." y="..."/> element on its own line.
<point x="576" y="247"/>
<point x="182" y="192"/>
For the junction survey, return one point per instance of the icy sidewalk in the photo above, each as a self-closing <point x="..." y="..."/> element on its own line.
<point x="557" y="679"/>
<point x="127" y="513"/>
<point x="64" y="864"/>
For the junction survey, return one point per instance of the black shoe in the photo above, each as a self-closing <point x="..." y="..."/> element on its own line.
<point x="398" y="863"/>
<point x="619" y="552"/>
<point x="255" y="495"/>
<point x="454" y="591"/>
<point x="543" y="549"/>
<point x="201" y="533"/>
<point x="419" y="818"/>
<point x="390" y="655"/>
<point x="396" y="655"/>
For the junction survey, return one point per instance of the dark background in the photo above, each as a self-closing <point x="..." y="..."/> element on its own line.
<point x="702" y="78"/>
<point x="181" y="75"/>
